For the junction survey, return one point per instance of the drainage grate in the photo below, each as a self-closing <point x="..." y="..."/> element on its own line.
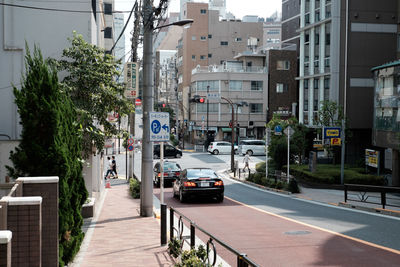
<point x="298" y="233"/>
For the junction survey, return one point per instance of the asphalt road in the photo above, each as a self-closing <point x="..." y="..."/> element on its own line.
<point x="280" y="230"/>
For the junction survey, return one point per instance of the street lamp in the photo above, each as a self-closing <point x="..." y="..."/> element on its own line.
<point x="146" y="190"/>
<point x="239" y="104"/>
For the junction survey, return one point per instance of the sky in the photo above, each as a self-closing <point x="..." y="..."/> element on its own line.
<point x="239" y="8"/>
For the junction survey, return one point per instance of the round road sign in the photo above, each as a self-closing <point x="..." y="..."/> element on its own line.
<point x="138" y="102"/>
<point x="130" y="147"/>
<point x="130" y="141"/>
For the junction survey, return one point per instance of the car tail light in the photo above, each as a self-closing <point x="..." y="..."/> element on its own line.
<point x="219" y="183"/>
<point x="165" y="174"/>
<point x="177" y="173"/>
<point x="189" y="184"/>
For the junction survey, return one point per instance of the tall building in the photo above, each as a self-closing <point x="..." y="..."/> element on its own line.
<point x="109" y="31"/>
<point x="272" y="35"/>
<point x="210" y="41"/>
<point x="119" y="50"/>
<point x="340" y="41"/>
<point x="291" y="23"/>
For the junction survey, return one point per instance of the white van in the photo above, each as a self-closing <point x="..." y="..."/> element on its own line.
<point x="252" y="147"/>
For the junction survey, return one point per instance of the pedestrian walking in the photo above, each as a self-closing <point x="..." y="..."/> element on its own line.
<point x="114" y="167"/>
<point x="246" y="160"/>
<point x="109" y="169"/>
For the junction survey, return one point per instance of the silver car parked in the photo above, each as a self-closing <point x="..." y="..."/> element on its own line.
<point x="220" y="147"/>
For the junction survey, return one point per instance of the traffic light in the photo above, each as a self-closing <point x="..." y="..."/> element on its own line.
<point x="164" y="105"/>
<point x="198" y="99"/>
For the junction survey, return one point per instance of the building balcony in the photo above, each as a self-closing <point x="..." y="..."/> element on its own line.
<point x="387" y="124"/>
<point x="223" y="68"/>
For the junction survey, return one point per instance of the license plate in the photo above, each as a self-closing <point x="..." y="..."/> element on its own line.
<point x="204" y="184"/>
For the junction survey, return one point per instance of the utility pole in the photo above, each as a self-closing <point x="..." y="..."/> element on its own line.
<point x="146" y="185"/>
<point x="135" y="42"/>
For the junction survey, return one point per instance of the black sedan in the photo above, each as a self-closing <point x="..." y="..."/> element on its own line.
<point x="172" y="170"/>
<point x="200" y="182"/>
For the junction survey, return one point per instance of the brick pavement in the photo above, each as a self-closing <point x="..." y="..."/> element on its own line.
<point x="120" y="237"/>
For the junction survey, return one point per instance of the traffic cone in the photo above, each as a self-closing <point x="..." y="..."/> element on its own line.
<point x="108" y="184"/>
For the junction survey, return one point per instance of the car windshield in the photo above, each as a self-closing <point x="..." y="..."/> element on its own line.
<point x="168" y="166"/>
<point x="199" y="173"/>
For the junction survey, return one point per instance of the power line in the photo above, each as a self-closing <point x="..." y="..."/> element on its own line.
<point x="126" y="24"/>
<point x="59" y="10"/>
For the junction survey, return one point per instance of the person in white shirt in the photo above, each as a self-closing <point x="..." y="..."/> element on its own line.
<point x="246" y="160"/>
<point x="110" y="168"/>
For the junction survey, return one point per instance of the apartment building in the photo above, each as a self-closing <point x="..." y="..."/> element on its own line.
<point x="386" y="117"/>
<point x="340" y="41"/>
<point x="210" y="41"/>
<point x="258" y="84"/>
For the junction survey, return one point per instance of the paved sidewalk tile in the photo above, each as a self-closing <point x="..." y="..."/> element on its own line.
<point x="122" y="238"/>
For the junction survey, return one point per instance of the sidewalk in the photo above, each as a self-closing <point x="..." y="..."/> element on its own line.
<point x="118" y="236"/>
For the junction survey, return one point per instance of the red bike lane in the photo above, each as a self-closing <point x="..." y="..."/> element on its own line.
<point x="274" y="240"/>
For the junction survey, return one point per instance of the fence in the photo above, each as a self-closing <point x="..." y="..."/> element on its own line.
<point x="363" y="195"/>
<point x="242" y="259"/>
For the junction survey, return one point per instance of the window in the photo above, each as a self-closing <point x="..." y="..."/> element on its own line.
<point x="203" y="11"/>
<point x="315" y="104"/>
<point x="328" y="39"/>
<point x="193" y="37"/>
<point x="305" y="105"/>
<point x="209" y="55"/>
<point x="193" y="57"/>
<point x="235" y="85"/>
<point x="281" y="88"/>
<point x="256" y="108"/>
<point x="203" y="38"/>
<point x="283" y="65"/>
<point x="326" y="83"/>
<point x="209" y="36"/>
<point x="224" y="43"/>
<point x="256" y="85"/>
<point x="306" y="38"/>
<point x="212" y="108"/>
<point x="305" y="84"/>
<point x="316" y="39"/>
<point x="107" y="9"/>
<point x="273" y="32"/>
<point x="108" y="32"/>
<point x="202" y="85"/>
<point x="202" y="57"/>
<point x="238" y="39"/>
<point x="316" y="84"/>
<point x="307" y="19"/>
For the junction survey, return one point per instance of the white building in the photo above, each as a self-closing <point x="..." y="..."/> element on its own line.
<point x="119" y="50"/>
<point x="49" y="30"/>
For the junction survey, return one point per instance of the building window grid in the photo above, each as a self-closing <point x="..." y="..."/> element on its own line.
<point x="202" y="85"/>
<point x="235" y="85"/>
<point x="281" y="88"/>
<point x="212" y="108"/>
<point x="283" y="65"/>
<point x="108" y="32"/>
<point x="256" y="108"/>
<point x="256" y="85"/>
<point x="224" y="43"/>
<point x="203" y="11"/>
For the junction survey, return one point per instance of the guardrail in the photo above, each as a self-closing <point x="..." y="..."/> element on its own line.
<point x="242" y="259"/>
<point x="365" y="189"/>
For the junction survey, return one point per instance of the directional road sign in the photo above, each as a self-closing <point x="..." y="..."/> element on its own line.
<point x="289" y="131"/>
<point x="159" y="126"/>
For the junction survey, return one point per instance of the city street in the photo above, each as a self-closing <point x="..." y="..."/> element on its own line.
<point x="285" y="230"/>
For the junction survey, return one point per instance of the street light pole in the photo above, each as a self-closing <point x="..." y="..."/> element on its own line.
<point x="233" y="134"/>
<point x="146" y="185"/>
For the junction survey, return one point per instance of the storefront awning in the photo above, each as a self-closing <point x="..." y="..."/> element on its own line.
<point x="226" y="130"/>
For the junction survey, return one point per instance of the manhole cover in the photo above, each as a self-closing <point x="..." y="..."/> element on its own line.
<point x="297" y="233"/>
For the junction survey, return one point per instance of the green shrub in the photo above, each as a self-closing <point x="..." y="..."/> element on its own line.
<point x="330" y="174"/>
<point x="260" y="167"/>
<point x="257" y="178"/>
<point x="293" y="187"/>
<point x="175" y="247"/>
<point x="134" y="188"/>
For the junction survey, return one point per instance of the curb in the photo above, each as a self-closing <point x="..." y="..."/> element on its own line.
<point x="388" y="212"/>
<point x="393" y="213"/>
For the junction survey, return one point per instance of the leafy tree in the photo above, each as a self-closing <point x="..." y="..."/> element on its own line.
<point x="299" y="144"/>
<point x="91" y="83"/>
<point x="51" y="146"/>
<point x="331" y="115"/>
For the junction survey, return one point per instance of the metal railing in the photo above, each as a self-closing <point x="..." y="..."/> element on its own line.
<point x="242" y="259"/>
<point x="364" y="197"/>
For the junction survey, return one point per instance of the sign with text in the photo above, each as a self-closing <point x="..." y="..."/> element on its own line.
<point x="332" y="136"/>
<point x="131" y="79"/>
<point x="159" y="126"/>
<point x="372" y="158"/>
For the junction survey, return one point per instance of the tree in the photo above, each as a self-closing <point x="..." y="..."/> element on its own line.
<point x="91" y="83"/>
<point x="299" y="144"/>
<point x="51" y="146"/>
<point x="331" y="115"/>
